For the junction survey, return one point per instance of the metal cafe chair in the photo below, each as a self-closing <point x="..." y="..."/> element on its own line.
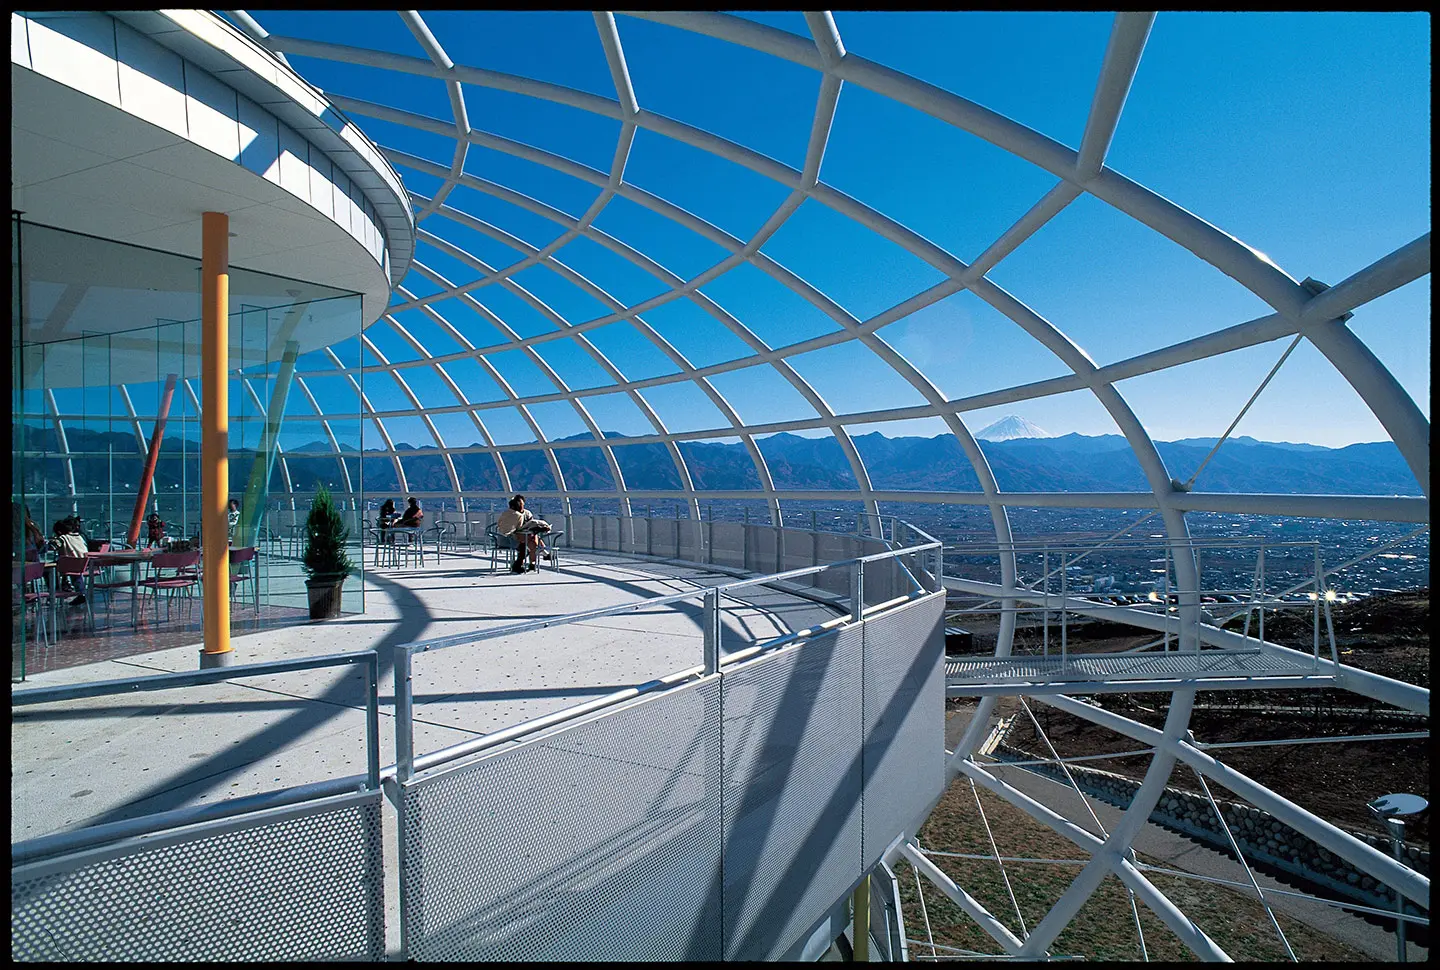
<point x="29" y="583"/>
<point x="244" y="569"/>
<point x="183" y="580"/>
<point x="500" y="543"/>
<point x="86" y="570"/>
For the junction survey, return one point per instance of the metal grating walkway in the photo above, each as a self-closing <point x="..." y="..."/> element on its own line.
<point x="1207" y="664"/>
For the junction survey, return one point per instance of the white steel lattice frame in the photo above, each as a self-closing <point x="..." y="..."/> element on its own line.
<point x="1298" y="312"/>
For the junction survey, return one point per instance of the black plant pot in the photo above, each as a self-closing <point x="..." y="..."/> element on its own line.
<point x="324" y="597"/>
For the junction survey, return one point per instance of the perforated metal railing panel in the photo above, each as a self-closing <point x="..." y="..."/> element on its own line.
<point x="662" y="534"/>
<point x="760" y="549"/>
<point x="601" y="840"/>
<point x="299" y="883"/>
<point x="727" y="544"/>
<point x="834" y="548"/>
<point x="904" y="715"/>
<point x="792" y="791"/>
<point x="581" y="532"/>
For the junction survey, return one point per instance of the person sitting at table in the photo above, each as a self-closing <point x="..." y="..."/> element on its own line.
<point x="413" y="514"/>
<point x="33" y="543"/>
<point x="519" y="522"/>
<point x="69" y="542"/>
<point x="232" y="517"/>
<point x="387" y="519"/>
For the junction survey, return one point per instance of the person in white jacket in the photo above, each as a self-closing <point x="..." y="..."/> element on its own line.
<point x="519" y="522"/>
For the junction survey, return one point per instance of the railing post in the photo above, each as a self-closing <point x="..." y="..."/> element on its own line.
<point x="779" y="548"/>
<point x="1315" y="646"/>
<point x="712" y="631"/>
<point x="1064" y="601"/>
<point x="1261" y="632"/>
<point x="404" y="718"/>
<point x="372" y="721"/>
<point x="857" y="590"/>
<point x="1045" y="610"/>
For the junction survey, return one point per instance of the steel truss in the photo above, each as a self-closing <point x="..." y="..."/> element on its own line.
<point x="1298" y="311"/>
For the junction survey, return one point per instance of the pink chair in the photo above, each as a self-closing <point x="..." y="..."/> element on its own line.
<point x="102" y="566"/>
<point x="183" y="578"/>
<point x="243" y="570"/>
<point x="82" y="572"/>
<point x="28" y="578"/>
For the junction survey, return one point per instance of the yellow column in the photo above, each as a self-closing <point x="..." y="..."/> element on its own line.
<point x="861" y="902"/>
<point x="215" y="435"/>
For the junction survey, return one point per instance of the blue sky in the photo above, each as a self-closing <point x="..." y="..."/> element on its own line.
<point x="1305" y="135"/>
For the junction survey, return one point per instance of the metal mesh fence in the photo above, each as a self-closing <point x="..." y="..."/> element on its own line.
<point x="599" y="840"/>
<point x="727" y="544"/>
<point x="904" y="715"/>
<point x="761" y="543"/>
<point x="834" y="548"/>
<point x="299" y="883"/>
<point x="635" y="835"/>
<point x="691" y="539"/>
<point x="792" y="791"/>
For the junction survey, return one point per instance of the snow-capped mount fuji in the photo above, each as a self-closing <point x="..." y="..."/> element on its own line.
<point x="1012" y="426"/>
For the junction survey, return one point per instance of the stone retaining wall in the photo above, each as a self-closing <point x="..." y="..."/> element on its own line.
<point x="1261" y="836"/>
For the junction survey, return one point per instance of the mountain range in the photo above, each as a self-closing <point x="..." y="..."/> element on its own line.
<point x="1072" y="462"/>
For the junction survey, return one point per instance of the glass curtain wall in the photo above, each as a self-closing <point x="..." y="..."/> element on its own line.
<point x="107" y="434"/>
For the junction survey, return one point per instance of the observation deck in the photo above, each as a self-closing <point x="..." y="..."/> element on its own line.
<point x="628" y="755"/>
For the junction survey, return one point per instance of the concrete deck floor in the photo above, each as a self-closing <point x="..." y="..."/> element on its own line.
<point x="83" y="762"/>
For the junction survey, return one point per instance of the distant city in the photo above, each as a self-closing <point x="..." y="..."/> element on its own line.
<point x="1022" y="456"/>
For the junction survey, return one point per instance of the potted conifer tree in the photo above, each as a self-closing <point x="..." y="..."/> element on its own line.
<point x="325" y="560"/>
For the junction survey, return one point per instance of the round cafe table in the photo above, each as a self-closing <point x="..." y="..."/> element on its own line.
<point x="134" y="557"/>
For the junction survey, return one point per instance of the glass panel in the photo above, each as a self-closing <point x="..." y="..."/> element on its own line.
<point x="108" y="398"/>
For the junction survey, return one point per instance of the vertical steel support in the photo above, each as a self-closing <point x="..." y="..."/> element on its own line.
<point x="1397" y="845"/>
<point x="1199" y="573"/>
<point x="861" y="903"/>
<point x="779" y="549"/>
<point x="857" y="590"/>
<point x="372" y="721"/>
<point x="215" y="435"/>
<point x="1315" y="611"/>
<point x="1064" y="599"/>
<point x="711" y="630"/>
<point x="1261" y="632"/>
<point x="147" y="479"/>
<point x="1165" y="605"/>
<point x="1045" y="611"/>
<point x="404" y="717"/>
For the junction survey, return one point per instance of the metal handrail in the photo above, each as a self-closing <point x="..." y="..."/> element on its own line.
<point x="406" y="762"/>
<point x="62" y="842"/>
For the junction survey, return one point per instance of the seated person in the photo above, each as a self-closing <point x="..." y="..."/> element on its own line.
<point x="33" y="542"/>
<point x="517" y="521"/>
<point x="388" y="517"/>
<point x="69" y="542"/>
<point x="413" y="514"/>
